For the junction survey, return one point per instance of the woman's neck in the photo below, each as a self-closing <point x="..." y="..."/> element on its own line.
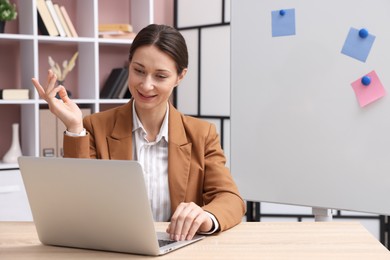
<point x="151" y="121"/>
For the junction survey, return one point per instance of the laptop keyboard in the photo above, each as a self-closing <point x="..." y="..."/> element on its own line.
<point x="162" y="243"/>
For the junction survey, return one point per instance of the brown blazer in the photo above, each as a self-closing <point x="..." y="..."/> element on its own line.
<point x="196" y="163"/>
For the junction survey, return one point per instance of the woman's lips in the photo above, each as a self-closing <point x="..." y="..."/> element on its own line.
<point x="146" y="96"/>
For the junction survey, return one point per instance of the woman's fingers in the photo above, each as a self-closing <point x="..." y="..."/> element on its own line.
<point x="62" y="93"/>
<point x="38" y="87"/>
<point x="50" y="90"/>
<point x="186" y="221"/>
<point x="194" y="218"/>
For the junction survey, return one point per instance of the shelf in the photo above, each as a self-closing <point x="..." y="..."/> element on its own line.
<point x="126" y="42"/>
<point x="17" y="102"/>
<point x="87" y="101"/>
<point x="26" y="56"/>
<point x="64" y="40"/>
<point x="114" y="101"/>
<point x="16" y="37"/>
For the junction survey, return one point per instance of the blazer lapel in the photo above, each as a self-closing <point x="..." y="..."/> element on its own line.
<point x="179" y="158"/>
<point x="120" y="141"/>
<point x="179" y="150"/>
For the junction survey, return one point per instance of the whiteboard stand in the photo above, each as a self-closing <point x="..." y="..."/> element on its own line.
<point x="322" y="214"/>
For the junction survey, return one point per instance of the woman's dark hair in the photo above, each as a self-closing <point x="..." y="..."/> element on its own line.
<point x="166" y="39"/>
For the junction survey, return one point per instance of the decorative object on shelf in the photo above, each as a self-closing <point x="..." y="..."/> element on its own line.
<point x="7" y="13"/>
<point x="66" y="67"/>
<point x="14" y="151"/>
<point x="62" y="73"/>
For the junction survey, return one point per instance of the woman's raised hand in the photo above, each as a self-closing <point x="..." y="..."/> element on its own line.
<point x="65" y="109"/>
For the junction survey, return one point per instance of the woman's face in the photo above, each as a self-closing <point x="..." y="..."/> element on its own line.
<point x="152" y="78"/>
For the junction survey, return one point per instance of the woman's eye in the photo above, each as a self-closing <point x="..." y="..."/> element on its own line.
<point x="161" y="76"/>
<point x="138" y="71"/>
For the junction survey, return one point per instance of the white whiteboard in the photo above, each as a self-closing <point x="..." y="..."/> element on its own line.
<point x="298" y="134"/>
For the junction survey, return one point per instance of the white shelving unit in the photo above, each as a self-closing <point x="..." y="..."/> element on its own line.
<point x="86" y="79"/>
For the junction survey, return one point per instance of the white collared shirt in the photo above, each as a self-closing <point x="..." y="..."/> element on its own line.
<point x="153" y="156"/>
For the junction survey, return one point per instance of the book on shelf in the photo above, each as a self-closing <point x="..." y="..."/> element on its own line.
<point x="56" y="19"/>
<point x="113" y="82"/>
<point x="62" y="20"/>
<point x="69" y="22"/>
<point x="46" y="24"/>
<point x="127" y="94"/>
<point x="116" y="31"/>
<point x="124" y="88"/>
<point x="122" y="84"/>
<point x="12" y="94"/>
<point x="122" y="27"/>
<point x="117" y="35"/>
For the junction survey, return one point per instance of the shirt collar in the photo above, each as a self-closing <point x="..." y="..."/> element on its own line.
<point x="164" y="126"/>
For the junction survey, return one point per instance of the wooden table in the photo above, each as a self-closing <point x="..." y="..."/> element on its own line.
<point x="249" y="240"/>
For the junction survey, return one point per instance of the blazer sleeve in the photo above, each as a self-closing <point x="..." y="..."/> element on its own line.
<point x="221" y="195"/>
<point x="81" y="146"/>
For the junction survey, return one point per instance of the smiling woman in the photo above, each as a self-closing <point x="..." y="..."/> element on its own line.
<point x="187" y="181"/>
<point x="152" y="79"/>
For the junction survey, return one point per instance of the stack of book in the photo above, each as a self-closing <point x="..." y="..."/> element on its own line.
<point x="116" y="31"/>
<point x="116" y="85"/>
<point x="53" y="20"/>
<point x="14" y="94"/>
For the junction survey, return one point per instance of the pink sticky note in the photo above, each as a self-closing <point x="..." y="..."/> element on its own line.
<point x="368" y="94"/>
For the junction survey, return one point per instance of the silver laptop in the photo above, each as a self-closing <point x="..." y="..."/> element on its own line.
<point x="93" y="204"/>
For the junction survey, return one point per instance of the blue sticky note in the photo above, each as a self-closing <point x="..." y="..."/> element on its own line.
<point x="283" y="22"/>
<point x="358" y="44"/>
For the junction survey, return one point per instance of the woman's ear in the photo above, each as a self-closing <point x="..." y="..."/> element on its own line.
<point x="181" y="76"/>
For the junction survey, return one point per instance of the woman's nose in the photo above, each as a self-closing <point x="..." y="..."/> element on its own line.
<point x="148" y="83"/>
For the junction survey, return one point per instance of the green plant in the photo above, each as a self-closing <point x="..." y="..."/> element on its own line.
<point x="7" y="11"/>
